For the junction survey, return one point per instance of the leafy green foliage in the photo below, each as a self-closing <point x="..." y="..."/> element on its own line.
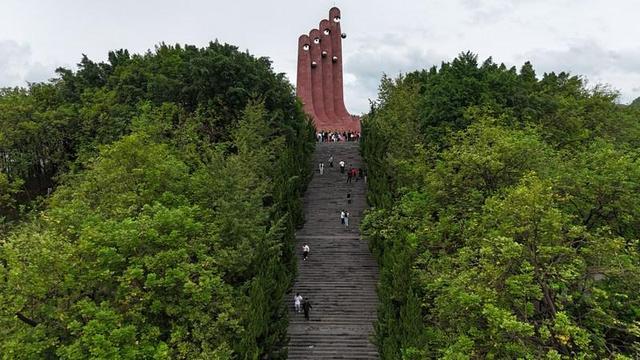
<point x="172" y="237"/>
<point x="504" y="215"/>
<point x="47" y="127"/>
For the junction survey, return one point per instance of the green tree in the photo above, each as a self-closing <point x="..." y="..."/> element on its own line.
<point x="171" y="234"/>
<point x="503" y="215"/>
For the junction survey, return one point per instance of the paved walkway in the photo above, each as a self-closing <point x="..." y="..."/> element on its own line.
<point x="340" y="275"/>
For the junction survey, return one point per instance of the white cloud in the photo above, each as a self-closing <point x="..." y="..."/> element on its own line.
<point x="17" y="66"/>
<point x="586" y="57"/>
<point x="600" y="64"/>
<point x="38" y="72"/>
<point x="390" y="54"/>
<point x="14" y="59"/>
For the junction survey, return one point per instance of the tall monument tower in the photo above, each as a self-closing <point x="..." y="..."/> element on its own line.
<point x="319" y="83"/>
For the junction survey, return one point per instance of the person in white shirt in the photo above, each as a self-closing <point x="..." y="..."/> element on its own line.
<point x="321" y="168"/>
<point x="297" y="302"/>
<point x="342" y="166"/>
<point x="342" y="214"/>
<point x="305" y="251"/>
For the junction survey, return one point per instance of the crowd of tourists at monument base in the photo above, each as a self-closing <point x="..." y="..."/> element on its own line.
<point x="335" y="136"/>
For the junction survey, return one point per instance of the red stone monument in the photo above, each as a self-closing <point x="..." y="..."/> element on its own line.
<point x="319" y="82"/>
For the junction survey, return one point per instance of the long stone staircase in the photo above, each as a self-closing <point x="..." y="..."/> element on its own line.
<point x="340" y="275"/>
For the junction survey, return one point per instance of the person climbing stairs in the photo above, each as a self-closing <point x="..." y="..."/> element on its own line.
<point x="340" y="277"/>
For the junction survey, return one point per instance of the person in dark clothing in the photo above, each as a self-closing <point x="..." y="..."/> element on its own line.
<point x="349" y="174"/>
<point x="348" y="198"/>
<point x="306" y="306"/>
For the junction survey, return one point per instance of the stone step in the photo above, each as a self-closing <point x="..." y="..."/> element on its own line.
<point x="340" y="275"/>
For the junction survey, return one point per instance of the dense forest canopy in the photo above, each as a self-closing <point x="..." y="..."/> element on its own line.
<point x="505" y="215"/>
<point x="46" y="127"/>
<point x="148" y="206"/>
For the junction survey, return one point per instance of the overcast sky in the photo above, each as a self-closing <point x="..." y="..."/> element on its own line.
<point x="595" y="38"/>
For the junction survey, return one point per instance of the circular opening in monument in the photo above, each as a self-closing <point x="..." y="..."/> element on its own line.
<point x="316" y="41"/>
<point x="343" y="35"/>
<point x="334" y="59"/>
<point x="327" y="31"/>
<point x="313" y="64"/>
<point x="324" y="53"/>
<point x="305" y="47"/>
<point x="336" y="19"/>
